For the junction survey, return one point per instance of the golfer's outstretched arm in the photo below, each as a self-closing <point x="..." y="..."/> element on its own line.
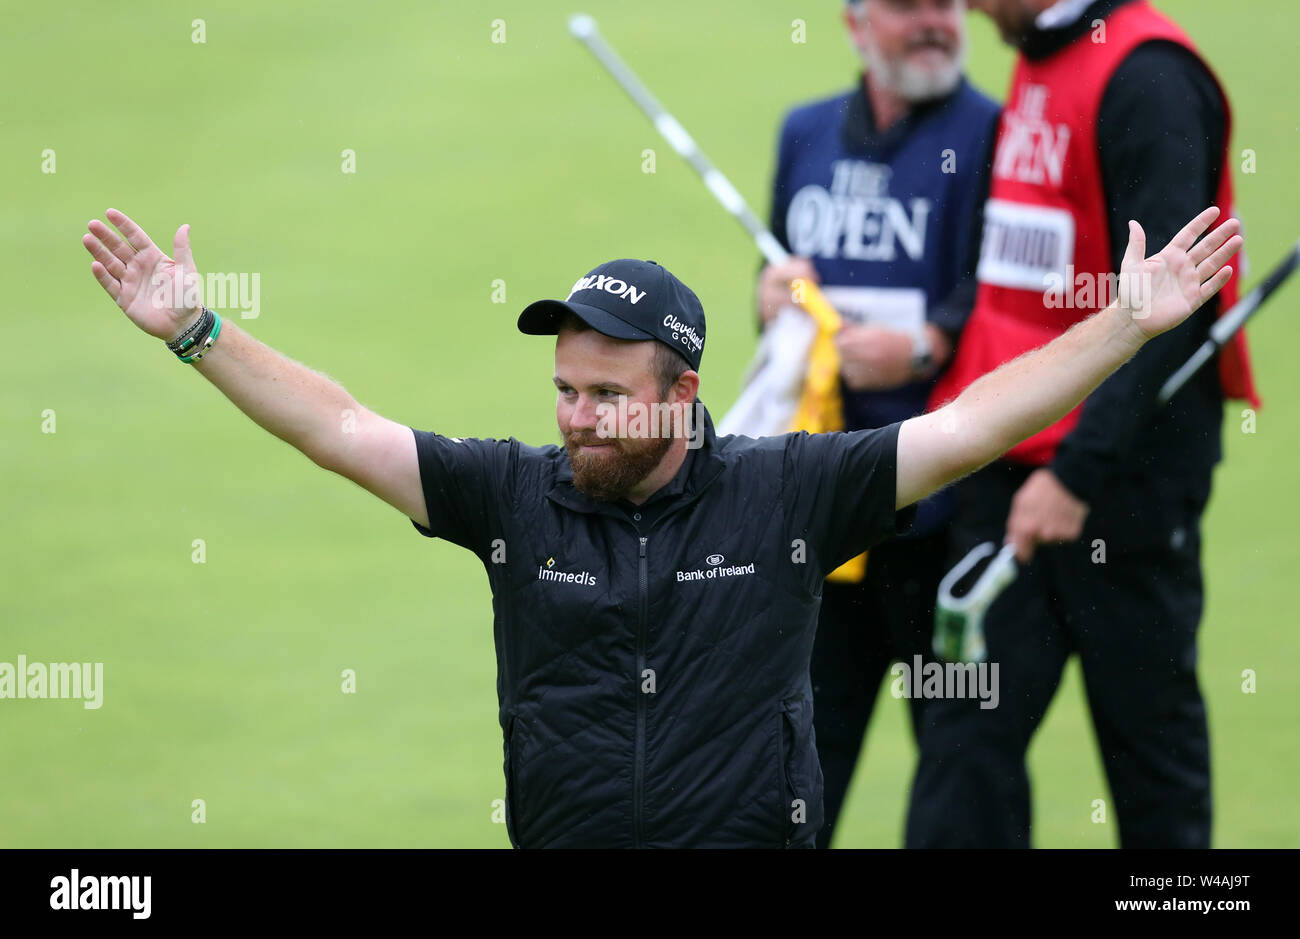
<point x="304" y="408"/>
<point x="1015" y="401"/>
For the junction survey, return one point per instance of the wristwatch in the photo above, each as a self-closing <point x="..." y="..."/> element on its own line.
<point x="922" y="354"/>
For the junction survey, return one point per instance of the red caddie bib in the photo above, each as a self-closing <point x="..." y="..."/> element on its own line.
<point x="1046" y="222"/>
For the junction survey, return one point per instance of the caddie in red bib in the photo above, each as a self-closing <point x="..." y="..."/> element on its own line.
<point x="1112" y="115"/>
<point x="1046" y="245"/>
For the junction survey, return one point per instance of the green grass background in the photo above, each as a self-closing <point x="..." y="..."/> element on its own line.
<point x="475" y="161"/>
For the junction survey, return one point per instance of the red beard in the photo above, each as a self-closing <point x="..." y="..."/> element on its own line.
<point x="614" y="470"/>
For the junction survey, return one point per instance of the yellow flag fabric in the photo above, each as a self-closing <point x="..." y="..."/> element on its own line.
<point x="821" y="409"/>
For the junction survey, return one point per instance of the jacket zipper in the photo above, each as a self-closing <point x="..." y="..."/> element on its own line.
<point x="787" y="784"/>
<point x="638" y="768"/>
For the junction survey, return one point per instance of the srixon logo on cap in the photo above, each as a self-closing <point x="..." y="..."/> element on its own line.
<point x="619" y="288"/>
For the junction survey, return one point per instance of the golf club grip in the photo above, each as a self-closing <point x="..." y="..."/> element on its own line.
<point x="584" y="28"/>
<point x="1227" y="325"/>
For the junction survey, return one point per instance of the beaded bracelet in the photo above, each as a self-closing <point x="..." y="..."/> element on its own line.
<point x="207" y="343"/>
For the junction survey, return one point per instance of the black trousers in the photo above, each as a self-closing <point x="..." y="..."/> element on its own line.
<point x="861" y="629"/>
<point x="1127" y="597"/>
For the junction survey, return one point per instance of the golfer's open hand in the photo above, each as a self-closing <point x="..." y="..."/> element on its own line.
<point x="160" y="295"/>
<point x="1161" y="291"/>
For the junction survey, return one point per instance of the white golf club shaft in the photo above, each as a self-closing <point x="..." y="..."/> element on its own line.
<point x="584" y="28"/>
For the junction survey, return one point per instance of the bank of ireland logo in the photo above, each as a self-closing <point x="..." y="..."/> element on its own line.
<point x="716" y="569"/>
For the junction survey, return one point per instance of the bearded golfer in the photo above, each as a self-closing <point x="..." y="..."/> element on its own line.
<point x="655" y="602"/>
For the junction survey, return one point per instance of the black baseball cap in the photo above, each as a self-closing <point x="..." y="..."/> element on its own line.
<point x="627" y="299"/>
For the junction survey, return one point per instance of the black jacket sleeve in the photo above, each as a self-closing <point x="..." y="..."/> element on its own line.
<point x="840" y="491"/>
<point x="463" y="482"/>
<point x="1160" y="134"/>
